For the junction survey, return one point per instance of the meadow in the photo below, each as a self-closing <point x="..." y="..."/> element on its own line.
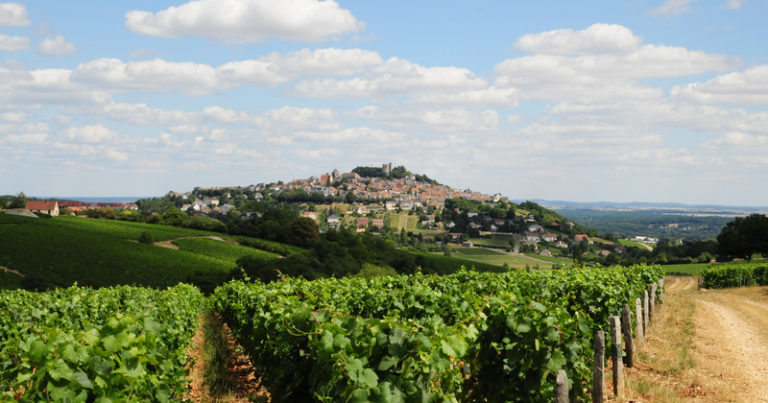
<point x="63" y="250"/>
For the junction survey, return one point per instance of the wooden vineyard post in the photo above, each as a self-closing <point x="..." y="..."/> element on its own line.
<point x="661" y="287"/>
<point x="626" y="327"/>
<point x="561" y="395"/>
<point x="598" y="374"/>
<point x="652" y="301"/>
<point x="646" y="323"/>
<point x="639" y="321"/>
<point x="618" y="366"/>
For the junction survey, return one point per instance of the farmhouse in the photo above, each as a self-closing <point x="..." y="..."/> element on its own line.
<point x="44" y="207"/>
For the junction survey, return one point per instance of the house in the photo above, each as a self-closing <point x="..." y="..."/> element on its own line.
<point x="226" y="208"/>
<point x="532" y="237"/>
<point x="545" y="252"/>
<point x="310" y="214"/>
<point x="621" y="249"/>
<point x="377" y="222"/>
<point x="549" y="237"/>
<point x="472" y="214"/>
<point x="535" y="228"/>
<point x="561" y="244"/>
<point x="603" y="252"/>
<point x="467" y="244"/>
<point x="258" y="196"/>
<point x="45" y="207"/>
<point x="362" y="222"/>
<point x="390" y="205"/>
<point x="582" y="237"/>
<point x="333" y="220"/>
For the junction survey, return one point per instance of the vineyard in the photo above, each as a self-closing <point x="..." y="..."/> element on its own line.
<point x="464" y="337"/>
<point x="468" y="336"/>
<point x="742" y="274"/>
<point x="112" y="344"/>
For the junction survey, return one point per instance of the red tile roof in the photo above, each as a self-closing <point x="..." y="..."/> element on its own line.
<point x="41" y="205"/>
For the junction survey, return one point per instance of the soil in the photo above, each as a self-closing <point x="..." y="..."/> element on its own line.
<point x="12" y="271"/>
<point x="170" y="245"/>
<point x="728" y="345"/>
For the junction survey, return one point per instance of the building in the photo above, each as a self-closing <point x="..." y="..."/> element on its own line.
<point x="44" y="207"/>
<point x="386" y="169"/>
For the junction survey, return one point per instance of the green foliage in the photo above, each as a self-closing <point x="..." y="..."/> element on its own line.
<point x="221" y="250"/>
<point x="112" y="344"/>
<point x="744" y="237"/>
<point x="735" y="275"/>
<point x="463" y="337"/>
<point x="146" y="238"/>
<point x="370" y="270"/>
<point x="64" y="250"/>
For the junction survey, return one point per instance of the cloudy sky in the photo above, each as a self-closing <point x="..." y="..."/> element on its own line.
<point x="646" y="100"/>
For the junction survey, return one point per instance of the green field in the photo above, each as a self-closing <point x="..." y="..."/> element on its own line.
<point x="640" y="245"/>
<point x="401" y="221"/>
<point x="228" y="252"/>
<point x="495" y="241"/>
<point x="63" y="250"/>
<point x="450" y="264"/>
<point x="123" y="229"/>
<point x="496" y="258"/>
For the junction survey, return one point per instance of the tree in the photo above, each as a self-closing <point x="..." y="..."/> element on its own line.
<point x="20" y="201"/>
<point x="744" y="237"/>
<point x="304" y="230"/>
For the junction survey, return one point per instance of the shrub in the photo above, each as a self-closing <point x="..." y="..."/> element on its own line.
<point x="146" y="238"/>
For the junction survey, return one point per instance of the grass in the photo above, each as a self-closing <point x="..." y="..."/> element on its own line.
<point x="640" y="245"/>
<point x="475" y="251"/>
<point x="450" y="264"/>
<point x="553" y="259"/>
<point x="123" y="229"/>
<point x="225" y="251"/>
<point x="215" y="356"/>
<point x="668" y="352"/>
<point x="63" y="250"/>
<point x="495" y="241"/>
<point x="401" y="221"/>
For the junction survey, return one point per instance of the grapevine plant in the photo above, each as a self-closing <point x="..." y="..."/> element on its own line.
<point x="111" y="344"/>
<point x="464" y="337"/>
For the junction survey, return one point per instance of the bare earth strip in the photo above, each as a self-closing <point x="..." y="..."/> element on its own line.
<point x="12" y="271"/>
<point x="732" y="343"/>
<point x="170" y="245"/>
<point x="706" y="345"/>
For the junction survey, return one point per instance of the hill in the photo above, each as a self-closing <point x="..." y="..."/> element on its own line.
<point x="60" y="251"/>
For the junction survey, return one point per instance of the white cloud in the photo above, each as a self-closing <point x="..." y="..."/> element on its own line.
<point x="559" y="71"/>
<point x="734" y="4"/>
<point x="13" y="15"/>
<point x="747" y="87"/>
<point x="200" y="79"/>
<point x="57" y="46"/>
<point x="248" y="20"/>
<point x="153" y="75"/>
<point x="395" y="76"/>
<point x="598" y="38"/>
<point x="13" y="43"/>
<point x="443" y="120"/>
<point x="673" y="7"/>
<point x="91" y="134"/>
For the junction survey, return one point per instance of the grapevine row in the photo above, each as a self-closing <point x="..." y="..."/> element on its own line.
<point x="464" y="337"/>
<point x="111" y="344"/>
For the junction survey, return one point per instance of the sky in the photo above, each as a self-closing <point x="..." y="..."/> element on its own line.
<point x="652" y="101"/>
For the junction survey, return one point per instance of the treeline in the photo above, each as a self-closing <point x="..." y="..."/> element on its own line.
<point x="650" y="224"/>
<point x="344" y="253"/>
<point x="398" y="172"/>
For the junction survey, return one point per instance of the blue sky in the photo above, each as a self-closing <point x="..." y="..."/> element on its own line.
<point x="661" y="101"/>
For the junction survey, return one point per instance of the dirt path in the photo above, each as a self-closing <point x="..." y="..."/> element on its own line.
<point x="708" y="345"/>
<point x="12" y="271"/>
<point x="170" y="245"/>
<point x="732" y="342"/>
